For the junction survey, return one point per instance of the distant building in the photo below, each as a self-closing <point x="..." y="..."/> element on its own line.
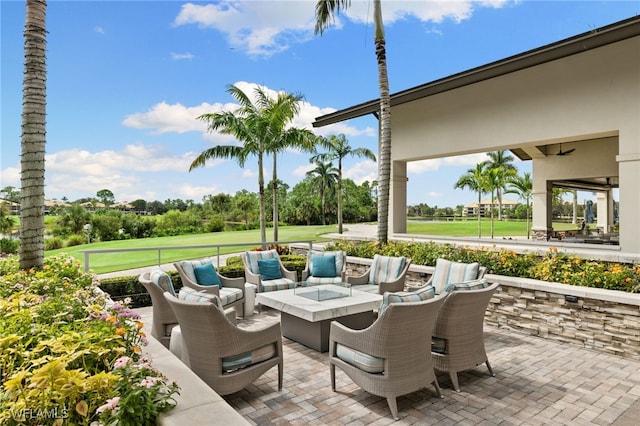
<point x="485" y="207"/>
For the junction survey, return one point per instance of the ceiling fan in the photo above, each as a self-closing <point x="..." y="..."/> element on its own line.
<point x="567" y="152"/>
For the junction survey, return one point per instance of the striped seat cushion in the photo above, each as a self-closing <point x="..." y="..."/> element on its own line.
<point x="279" y="284"/>
<point x="438" y="345"/>
<point x="424" y="293"/>
<point x="467" y="285"/>
<point x="385" y="268"/>
<point x="233" y="363"/>
<point x="448" y="272"/>
<point x="227" y="295"/>
<point x="360" y="360"/>
<point x="324" y="280"/>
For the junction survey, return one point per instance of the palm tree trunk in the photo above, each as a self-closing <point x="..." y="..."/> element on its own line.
<point x="322" y="201"/>
<point x="479" y="220"/>
<point x="339" y="195"/>
<point x="263" y="223"/>
<point x="492" y="209"/>
<point x="527" y="219"/>
<point x="275" y="198"/>
<point x="384" y="146"/>
<point x="33" y="139"/>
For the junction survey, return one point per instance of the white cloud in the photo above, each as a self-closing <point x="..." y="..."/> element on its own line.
<point x="10" y="177"/>
<point x="99" y="30"/>
<point x="263" y="28"/>
<point x="301" y="171"/>
<point x="361" y="171"/>
<point x="181" y="56"/>
<point x="177" y="118"/>
<point x="193" y="192"/>
<point x="434" y="164"/>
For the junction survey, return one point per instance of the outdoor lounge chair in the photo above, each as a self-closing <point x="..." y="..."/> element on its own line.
<point x="458" y="335"/>
<point x="265" y="270"/>
<point x="392" y="357"/>
<point x="224" y="356"/>
<point x="386" y="273"/>
<point x="230" y="290"/>
<point x="325" y="267"/>
<point x="447" y="272"/>
<point x="156" y="282"/>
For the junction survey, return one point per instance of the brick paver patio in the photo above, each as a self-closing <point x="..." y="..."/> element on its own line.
<point x="537" y="382"/>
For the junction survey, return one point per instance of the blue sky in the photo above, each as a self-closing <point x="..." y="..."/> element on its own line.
<point x="127" y="79"/>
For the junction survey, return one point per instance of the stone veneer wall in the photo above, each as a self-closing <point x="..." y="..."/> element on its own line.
<point x="603" y="320"/>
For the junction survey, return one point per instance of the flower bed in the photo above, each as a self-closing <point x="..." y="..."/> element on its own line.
<point x="551" y="266"/>
<point x="69" y="355"/>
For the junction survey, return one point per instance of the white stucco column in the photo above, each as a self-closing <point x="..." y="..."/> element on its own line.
<point x="629" y="212"/>
<point x="604" y="219"/>
<point x="542" y="207"/>
<point x="398" y="197"/>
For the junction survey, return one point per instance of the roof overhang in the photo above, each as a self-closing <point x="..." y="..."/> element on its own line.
<point x="593" y="39"/>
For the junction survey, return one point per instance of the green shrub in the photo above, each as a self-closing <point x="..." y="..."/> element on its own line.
<point x="53" y="243"/>
<point x="551" y="266"/>
<point x="9" y="246"/>
<point x="215" y="225"/>
<point x="76" y="240"/>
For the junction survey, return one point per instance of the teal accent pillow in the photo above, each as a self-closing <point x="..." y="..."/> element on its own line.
<point x="206" y="275"/>
<point x="323" y="266"/>
<point x="269" y="269"/>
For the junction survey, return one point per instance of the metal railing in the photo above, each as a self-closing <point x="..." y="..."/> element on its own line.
<point x="159" y="250"/>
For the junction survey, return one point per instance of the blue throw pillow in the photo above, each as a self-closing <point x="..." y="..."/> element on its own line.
<point x="269" y="269"/>
<point x="323" y="266"/>
<point x="206" y="275"/>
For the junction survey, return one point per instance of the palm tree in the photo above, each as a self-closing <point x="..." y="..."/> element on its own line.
<point x="492" y="181"/>
<point x="473" y="180"/>
<point x="7" y="222"/>
<point x="339" y="148"/>
<point x="279" y="113"/>
<point x="74" y="217"/>
<point x="501" y="161"/>
<point x="324" y="177"/>
<point x="523" y="187"/>
<point x="325" y="13"/>
<point x="258" y="126"/>
<point x="33" y="141"/>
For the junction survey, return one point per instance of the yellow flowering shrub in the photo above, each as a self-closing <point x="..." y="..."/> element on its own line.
<point x="69" y="355"/>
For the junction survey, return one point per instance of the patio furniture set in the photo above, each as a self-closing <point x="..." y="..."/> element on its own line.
<point x="387" y="340"/>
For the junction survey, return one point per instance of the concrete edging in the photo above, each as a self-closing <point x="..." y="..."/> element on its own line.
<point x="197" y="403"/>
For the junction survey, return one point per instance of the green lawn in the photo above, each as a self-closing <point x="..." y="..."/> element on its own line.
<point x="469" y="228"/>
<point x="109" y="262"/>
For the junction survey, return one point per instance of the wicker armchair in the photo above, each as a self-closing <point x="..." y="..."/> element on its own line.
<point x="386" y="273"/>
<point x="447" y="272"/>
<point x="387" y="358"/>
<point x="224" y="356"/>
<point x="252" y="274"/>
<point x="340" y="264"/>
<point x="156" y="282"/>
<point x="231" y="293"/>
<point x="458" y="335"/>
